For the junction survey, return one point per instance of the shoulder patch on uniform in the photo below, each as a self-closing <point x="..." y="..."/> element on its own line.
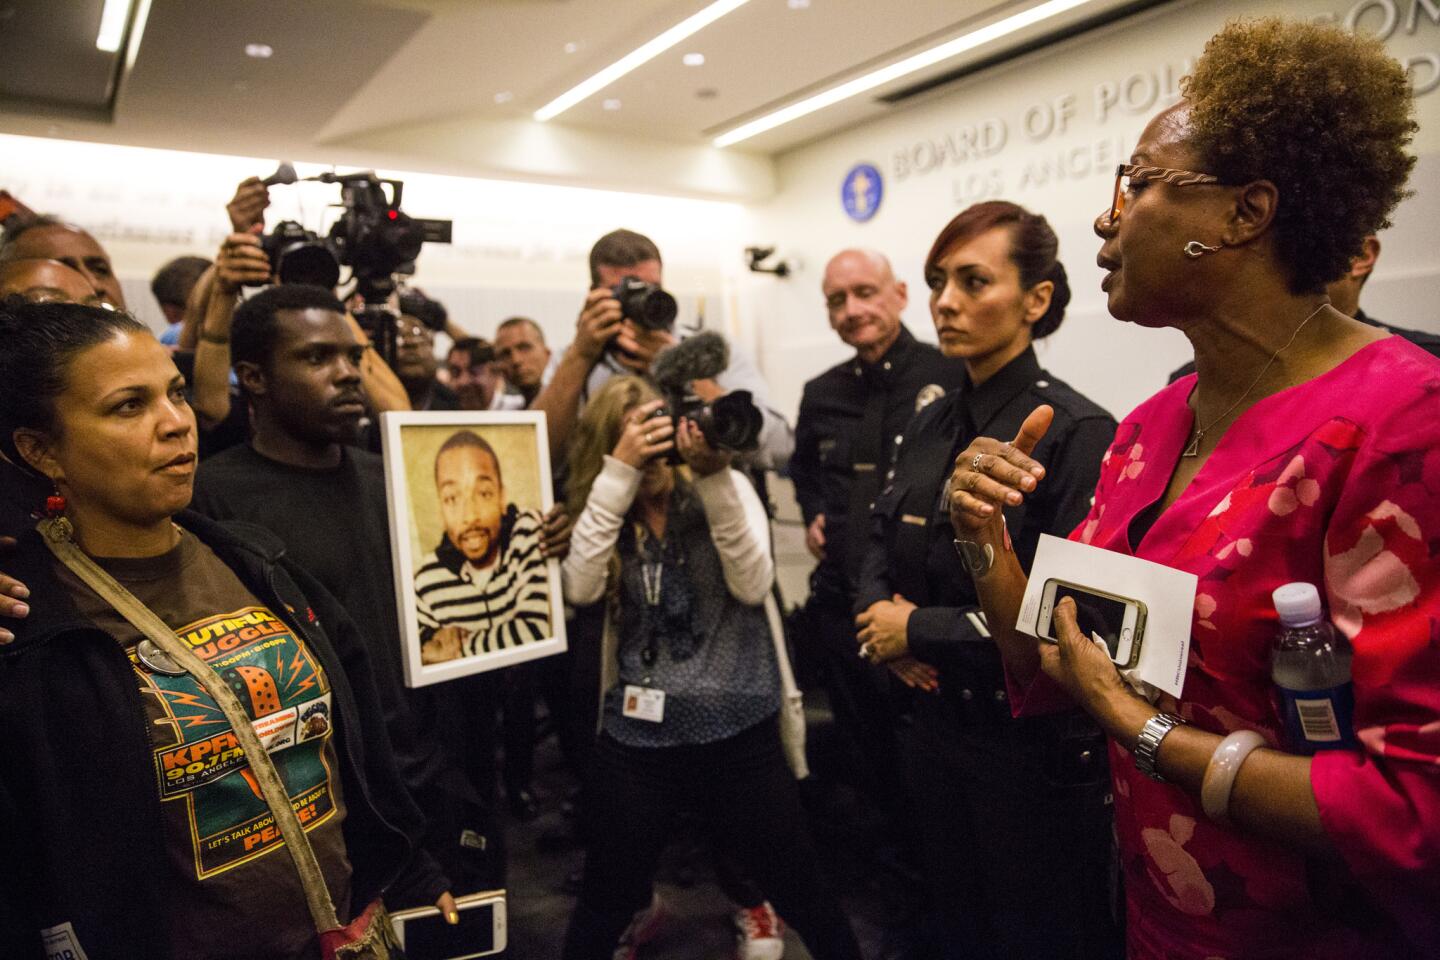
<point x="927" y="395"/>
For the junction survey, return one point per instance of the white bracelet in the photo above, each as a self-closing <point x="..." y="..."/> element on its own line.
<point x="1221" y="771"/>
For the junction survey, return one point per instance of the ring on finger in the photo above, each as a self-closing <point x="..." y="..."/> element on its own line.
<point x="975" y="464"/>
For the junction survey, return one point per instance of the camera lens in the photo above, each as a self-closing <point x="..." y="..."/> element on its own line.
<point x="732" y="422"/>
<point x="309" y="262"/>
<point x="646" y="304"/>
<point x="657" y="310"/>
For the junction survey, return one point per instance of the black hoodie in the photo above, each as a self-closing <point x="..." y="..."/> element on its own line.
<point x="80" y="821"/>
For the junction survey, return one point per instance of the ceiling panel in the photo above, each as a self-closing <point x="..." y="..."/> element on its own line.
<point x="449" y="85"/>
<point x="193" y="79"/>
<point x="468" y="53"/>
<point x="767" y="52"/>
<point x="57" y="62"/>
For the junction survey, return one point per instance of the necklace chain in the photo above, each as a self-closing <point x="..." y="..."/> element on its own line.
<point x="1193" y="450"/>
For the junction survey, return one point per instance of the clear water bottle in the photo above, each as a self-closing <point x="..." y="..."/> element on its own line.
<point x="1310" y="665"/>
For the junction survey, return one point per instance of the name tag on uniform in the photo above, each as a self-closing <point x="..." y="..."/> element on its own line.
<point x="911" y="518"/>
<point x="644" y="703"/>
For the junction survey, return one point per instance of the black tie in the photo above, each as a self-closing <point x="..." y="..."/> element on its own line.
<point x="866" y="472"/>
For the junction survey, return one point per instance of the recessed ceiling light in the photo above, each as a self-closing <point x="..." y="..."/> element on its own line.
<point x="640" y="55"/>
<point x="798" y="4"/>
<point x="694" y="59"/>
<point x="611" y="104"/>
<point x="259" y="51"/>
<point x="504" y="96"/>
<point x="571" y="47"/>
<point x="901" y="68"/>
<point x="112" y="25"/>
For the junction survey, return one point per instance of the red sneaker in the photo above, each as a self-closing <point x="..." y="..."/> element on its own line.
<point x="647" y="927"/>
<point x="760" y="934"/>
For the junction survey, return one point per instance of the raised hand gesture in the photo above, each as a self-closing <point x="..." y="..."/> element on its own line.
<point x="990" y="475"/>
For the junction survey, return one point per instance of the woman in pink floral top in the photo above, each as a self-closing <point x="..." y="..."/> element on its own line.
<point x="1307" y="448"/>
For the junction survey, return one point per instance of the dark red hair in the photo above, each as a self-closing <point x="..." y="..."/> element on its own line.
<point x="1033" y="250"/>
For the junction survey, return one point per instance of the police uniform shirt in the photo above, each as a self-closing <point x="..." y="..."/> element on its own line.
<point x="912" y="549"/>
<point x="911" y="375"/>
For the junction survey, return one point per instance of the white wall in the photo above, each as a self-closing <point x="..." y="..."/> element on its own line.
<point x="1086" y="101"/>
<point x="519" y="247"/>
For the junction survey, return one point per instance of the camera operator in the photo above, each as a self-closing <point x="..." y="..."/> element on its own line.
<point x="415" y="360"/>
<point x="210" y="310"/>
<point x="240" y="261"/>
<point x="608" y="341"/>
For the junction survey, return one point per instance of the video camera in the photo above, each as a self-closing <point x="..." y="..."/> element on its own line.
<point x="373" y="237"/>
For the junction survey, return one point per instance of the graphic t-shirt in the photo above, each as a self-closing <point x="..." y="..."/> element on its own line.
<point x="237" y="893"/>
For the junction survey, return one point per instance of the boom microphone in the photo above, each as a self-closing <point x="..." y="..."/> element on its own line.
<point x="285" y="173"/>
<point x="700" y="357"/>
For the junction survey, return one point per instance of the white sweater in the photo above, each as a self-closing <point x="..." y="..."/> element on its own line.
<point x="739" y="528"/>
<point x="738" y="524"/>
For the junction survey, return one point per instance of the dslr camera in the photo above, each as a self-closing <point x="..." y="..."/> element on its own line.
<point x="645" y="304"/>
<point x="731" y="422"/>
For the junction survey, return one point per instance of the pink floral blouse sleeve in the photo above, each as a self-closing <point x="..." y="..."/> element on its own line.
<point x="1381" y="806"/>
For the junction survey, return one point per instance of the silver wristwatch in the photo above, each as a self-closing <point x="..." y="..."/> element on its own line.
<point x="1147" y="745"/>
<point x="976" y="558"/>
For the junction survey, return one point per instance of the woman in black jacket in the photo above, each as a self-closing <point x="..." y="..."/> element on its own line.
<point x="1011" y="814"/>
<point x="131" y="822"/>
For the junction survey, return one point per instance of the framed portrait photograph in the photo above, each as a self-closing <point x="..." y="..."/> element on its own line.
<point x="468" y="492"/>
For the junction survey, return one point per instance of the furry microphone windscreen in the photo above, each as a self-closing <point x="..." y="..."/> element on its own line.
<point x="699" y="357"/>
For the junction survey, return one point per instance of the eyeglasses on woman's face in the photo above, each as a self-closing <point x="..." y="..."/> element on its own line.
<point x="1128" y="175"/>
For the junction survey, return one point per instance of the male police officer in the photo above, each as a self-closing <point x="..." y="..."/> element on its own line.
<point x="851" y="418"/>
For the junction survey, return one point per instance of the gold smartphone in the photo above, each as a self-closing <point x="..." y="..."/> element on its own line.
<point x="1118" y="621"/>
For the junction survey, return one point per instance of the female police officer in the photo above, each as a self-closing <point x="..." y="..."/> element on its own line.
<point x="1012" y="814"/>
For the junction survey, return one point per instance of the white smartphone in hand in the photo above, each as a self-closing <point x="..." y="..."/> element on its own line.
<point x="1118" y="621"/>
<point x="481" y="932"/>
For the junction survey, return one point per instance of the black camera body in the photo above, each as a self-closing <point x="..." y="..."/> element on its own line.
<point x="298" y="255"/>
<point x="731" y="422"/>
<point x="646" y="304"/>
<point x="373" y="237"/>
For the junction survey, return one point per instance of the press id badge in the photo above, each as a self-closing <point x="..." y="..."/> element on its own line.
<point x="644" y="703"/>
